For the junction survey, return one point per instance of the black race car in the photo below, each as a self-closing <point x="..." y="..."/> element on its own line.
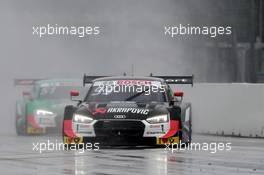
<point x="129" y="111"/>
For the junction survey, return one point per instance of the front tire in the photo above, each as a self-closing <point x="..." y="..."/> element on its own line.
<point x="20" y="122"/>
<point x="190" y="127"/>
<point x="20" y="129"/>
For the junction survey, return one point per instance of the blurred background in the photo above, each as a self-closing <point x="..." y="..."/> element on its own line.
<point x="132" y="37"/>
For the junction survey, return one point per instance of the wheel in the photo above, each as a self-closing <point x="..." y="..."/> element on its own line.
<point x="20" y="125"/>
<point x="20" y="129"/>
<point x="190" y="132"/>
<point x="186" y="133"/>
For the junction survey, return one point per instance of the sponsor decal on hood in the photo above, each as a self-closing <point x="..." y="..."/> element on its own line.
<point x="121" y="110"/>
<point x="99" y="111"/>
<point x="128" y="110"/>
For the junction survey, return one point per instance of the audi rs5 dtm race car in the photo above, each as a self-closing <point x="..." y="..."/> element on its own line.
<point x="129" y="111"/>
<point x="41" y="109"/>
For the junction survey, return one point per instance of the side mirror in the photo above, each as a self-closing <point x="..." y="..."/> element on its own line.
<point x="178" y="94"/>
<point x="74" y="93"/>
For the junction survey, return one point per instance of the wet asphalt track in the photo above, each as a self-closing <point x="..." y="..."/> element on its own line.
<point x="17" y="157"/>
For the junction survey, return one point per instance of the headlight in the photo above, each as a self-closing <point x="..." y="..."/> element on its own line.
<point x="82" y="119"/>
<point x="41" y="112"/>
<point x="158" y="119"/>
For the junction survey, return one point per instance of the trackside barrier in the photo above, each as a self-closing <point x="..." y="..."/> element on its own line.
<point x="226" y="109"/>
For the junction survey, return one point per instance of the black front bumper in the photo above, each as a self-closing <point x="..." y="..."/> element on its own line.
<point x="113" y="128"/>
<point x="121" y="141"/>
<point x="113" y="132"/>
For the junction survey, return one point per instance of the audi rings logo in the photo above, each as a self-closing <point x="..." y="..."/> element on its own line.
<point x="119" y="116"/>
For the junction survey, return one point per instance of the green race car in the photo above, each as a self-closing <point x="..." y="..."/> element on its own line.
<point x="41" y="110"/>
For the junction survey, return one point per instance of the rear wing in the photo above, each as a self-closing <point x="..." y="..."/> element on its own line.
<point x="25" y="82"/>
<point x="168" y="79"/>
<point x="177" y="79"/>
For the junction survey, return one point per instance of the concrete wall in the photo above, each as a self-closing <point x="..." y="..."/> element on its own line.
<point x="232" y="109"/>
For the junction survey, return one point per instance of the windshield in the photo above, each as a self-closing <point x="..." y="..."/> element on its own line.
<point x="106" y="91"/>
<point x="56" y="92"/>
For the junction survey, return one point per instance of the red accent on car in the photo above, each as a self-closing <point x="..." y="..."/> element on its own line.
<point x="31" y="120"/>
<point x="164" y="140"/>
<point x="68" y="131"/>
<point x="74" y="93"/>
<point x="25" y="93"/>
<point x="174" y="128"/>
<point x="178" y="94"/>
<point x="99" y="111"/>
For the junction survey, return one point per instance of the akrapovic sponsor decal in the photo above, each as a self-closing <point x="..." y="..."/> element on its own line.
<point x="128" y="110"/>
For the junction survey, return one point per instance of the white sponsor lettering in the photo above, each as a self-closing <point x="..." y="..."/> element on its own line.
<point x="128" y="110"/>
